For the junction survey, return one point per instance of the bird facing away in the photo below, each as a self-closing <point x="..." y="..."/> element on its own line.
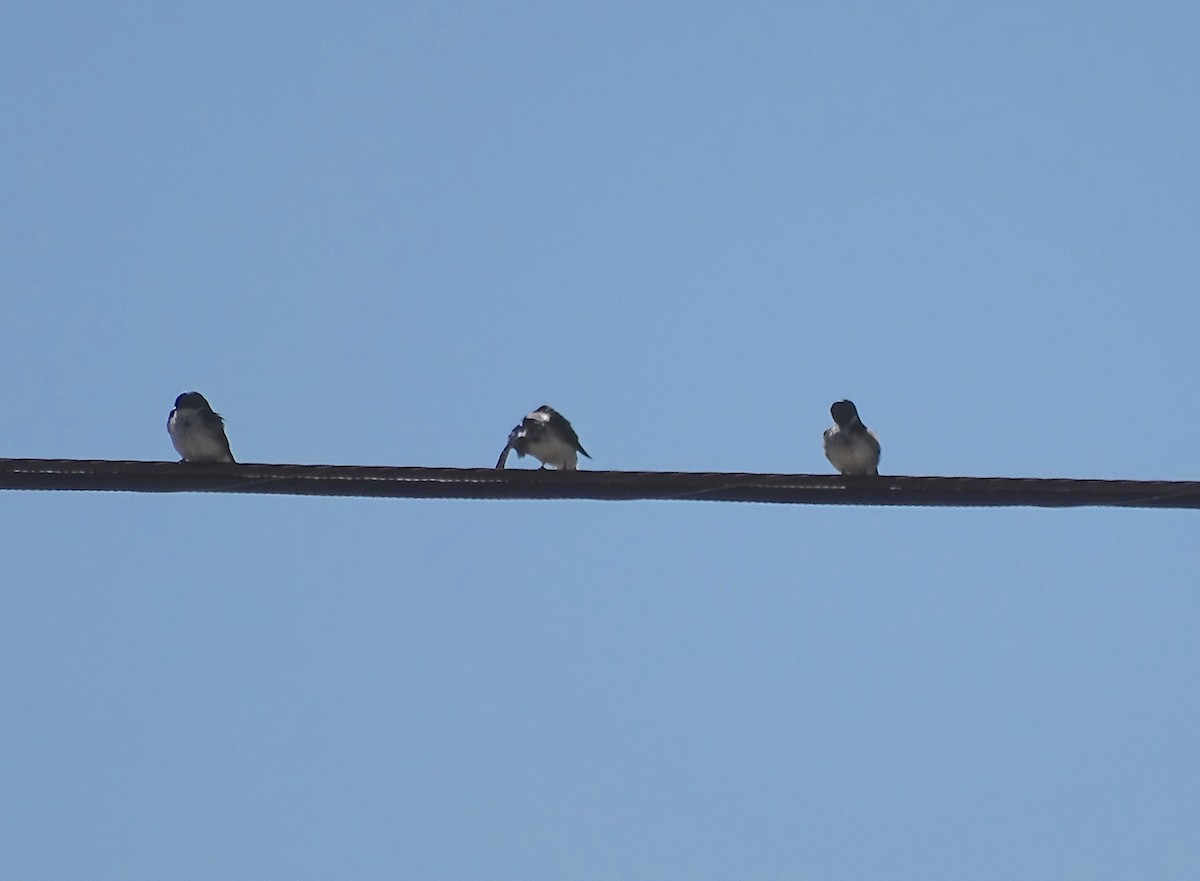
<point x="850" y="446"/>
<point x="196" y="431"/>
<point x="546" y="435"/>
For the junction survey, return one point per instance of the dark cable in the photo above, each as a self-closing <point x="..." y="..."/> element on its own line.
<point x="491" y="483"/>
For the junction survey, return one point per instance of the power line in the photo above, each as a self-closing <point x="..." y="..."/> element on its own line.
<point x="490" y="483"/>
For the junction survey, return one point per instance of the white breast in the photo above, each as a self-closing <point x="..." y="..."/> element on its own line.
<point x="554" y="452"/>
<point x="195" y="441"/>
<point x="852" y="453"/>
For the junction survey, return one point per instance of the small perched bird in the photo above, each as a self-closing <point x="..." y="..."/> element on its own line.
<point x="546" y="435"/>
<point x="850" y="446"/>
<point x="196" y="431"/>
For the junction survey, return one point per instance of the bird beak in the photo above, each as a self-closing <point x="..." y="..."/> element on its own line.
<point x="503" y="456"/>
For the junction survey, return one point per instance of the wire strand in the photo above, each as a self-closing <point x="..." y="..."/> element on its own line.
<point x="490" y="483"/>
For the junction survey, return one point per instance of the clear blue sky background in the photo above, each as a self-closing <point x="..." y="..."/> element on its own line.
<point x="379" y="233"/>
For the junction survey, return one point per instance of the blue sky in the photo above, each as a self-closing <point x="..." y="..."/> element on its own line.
<point x="380" y="233"/>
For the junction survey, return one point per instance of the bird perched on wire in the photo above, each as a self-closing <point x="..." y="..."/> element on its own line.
<point x="546" y="435"/>
<point x="850" y="446"/>
<point x="196" y="431"/>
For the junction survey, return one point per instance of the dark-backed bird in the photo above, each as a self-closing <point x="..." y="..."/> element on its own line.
<point x="196" y="431"/>
<point x="546" y="435"/>
<point x="850" y="446"/>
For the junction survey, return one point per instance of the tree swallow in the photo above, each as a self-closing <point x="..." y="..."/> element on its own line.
<point x="546" y="435"/>
<point x="850" y="446"/>
<point x="196" y="431"/>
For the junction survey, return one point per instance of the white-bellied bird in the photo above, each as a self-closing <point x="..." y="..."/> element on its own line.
<point x="196" y="431"/>
<point x="850" y="446"/>
<point x="546" y="435"/>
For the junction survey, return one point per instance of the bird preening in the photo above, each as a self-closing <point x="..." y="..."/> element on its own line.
<point x="851" y="447"/>
<point x="196" y="431"/>
<point x="546" y="435"/>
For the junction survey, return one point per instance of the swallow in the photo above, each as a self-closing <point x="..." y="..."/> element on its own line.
<point x="850" y="446"/>
<point x="546" y="435"/>
<point x="196" y="431"/>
